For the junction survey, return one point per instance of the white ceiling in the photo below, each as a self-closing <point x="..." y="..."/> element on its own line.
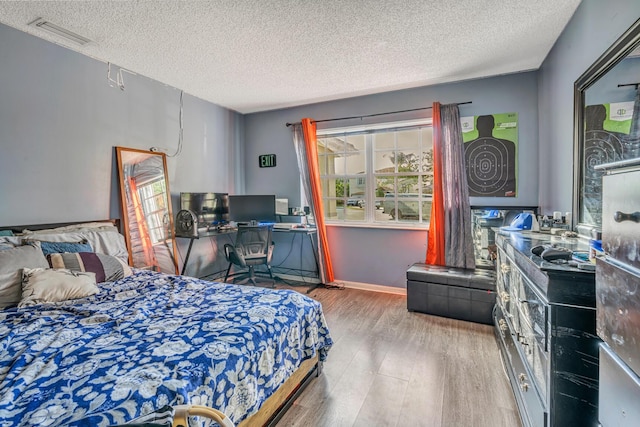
<point x="257" y="55"/>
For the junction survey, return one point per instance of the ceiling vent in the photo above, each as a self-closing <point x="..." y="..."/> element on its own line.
<point x="45" y="25"/>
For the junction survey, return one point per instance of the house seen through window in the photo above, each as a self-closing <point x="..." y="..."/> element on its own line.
<point x="378" y="176"/>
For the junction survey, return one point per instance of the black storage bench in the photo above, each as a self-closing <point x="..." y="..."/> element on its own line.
<point x="457" y="293"/>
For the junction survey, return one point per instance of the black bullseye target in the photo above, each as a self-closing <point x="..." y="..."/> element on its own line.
<point x="600" y="146"/>
<point x="490" y="163"/>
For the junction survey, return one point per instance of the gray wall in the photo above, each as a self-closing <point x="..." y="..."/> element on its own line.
<point x="59" y="122"/>
<point x="381" y="256"/>
<point x="593" y="28"/>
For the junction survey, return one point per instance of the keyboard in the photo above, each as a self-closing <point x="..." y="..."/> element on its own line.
<point x="286" y="225"/>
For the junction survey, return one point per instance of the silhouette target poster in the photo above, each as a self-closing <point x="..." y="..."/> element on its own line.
<point x="490" y="153"/>
<point x="609" y="137"/>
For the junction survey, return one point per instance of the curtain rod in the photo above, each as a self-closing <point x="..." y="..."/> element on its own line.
<point x="629" y="84"/>
<point x="374" y="115"/>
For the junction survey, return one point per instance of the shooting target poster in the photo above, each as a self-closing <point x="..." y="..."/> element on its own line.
<point x="607" y="139"/>
<point x="490" y="153"/>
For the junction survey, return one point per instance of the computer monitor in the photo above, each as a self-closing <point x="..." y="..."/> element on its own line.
<point x="247" y="208"/>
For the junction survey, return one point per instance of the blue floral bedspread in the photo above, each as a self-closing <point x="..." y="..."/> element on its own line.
<point x="151" y="340"/>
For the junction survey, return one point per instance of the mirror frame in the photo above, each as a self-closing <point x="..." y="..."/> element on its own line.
<point x="123" y="202"/>
<point x="619" y="50"/>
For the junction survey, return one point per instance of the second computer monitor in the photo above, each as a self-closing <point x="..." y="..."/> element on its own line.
<point x="247" y="208"/>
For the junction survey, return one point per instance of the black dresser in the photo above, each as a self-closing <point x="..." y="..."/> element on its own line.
<point x="545" y="324"/>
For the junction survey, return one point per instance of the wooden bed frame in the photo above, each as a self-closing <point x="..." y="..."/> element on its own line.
<point x="278" y="403"/>
<point x="17" y="229"/>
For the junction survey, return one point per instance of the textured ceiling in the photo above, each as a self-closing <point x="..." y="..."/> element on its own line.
<point x="256" y="55"/>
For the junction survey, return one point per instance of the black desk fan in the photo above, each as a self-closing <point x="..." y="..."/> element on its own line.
<point x="187" y="223"/>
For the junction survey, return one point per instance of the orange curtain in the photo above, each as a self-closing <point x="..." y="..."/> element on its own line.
<point x="435" y="242"/>
<point x="311" y="145"/>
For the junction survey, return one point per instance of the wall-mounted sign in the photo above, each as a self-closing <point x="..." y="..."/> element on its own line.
<point x="267" y="160"/>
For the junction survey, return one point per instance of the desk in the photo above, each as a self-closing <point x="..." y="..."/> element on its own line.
<point x="204" y="233"/>
<point x="308" y="231"/>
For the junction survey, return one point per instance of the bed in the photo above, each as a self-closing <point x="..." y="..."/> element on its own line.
<point x="149" y="340"/>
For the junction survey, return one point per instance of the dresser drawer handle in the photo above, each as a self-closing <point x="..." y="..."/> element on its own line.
<point x="621" y="216"/>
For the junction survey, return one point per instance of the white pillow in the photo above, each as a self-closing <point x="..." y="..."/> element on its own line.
<point x="42" y="285"/>
<point x="10" y="241"/>
<point x="108" y="241"/>
<point x="12" y="261"/>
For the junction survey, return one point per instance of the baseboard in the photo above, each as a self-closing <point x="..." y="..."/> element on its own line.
<point x="373" y="288"/>
<point x="352" y="285"/>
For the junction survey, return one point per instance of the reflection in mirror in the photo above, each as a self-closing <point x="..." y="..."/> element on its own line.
<point x="146" y="209"/>
<point x="611" y="130"/>
<point x="607" y="122"/>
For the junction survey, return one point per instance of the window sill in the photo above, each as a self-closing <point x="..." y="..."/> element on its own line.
<point x="382" y="226"/>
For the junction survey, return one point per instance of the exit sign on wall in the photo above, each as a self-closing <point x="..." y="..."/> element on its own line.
<point x="267" y="160"/>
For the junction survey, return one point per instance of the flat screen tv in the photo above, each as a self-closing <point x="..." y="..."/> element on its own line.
<point x="211" y="208"/>
<point x="247" y="208"/>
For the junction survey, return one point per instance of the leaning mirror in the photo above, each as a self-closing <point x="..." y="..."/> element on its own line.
<point x="606" y="123"/>
<point x="146" y="209"/>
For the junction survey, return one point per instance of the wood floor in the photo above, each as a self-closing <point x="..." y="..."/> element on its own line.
<point x="390" y="367"/>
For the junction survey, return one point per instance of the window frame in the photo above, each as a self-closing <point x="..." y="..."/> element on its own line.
<point x="370" y="177"/>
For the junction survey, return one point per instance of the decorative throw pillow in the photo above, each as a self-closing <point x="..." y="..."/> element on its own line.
<point x="12" y="261"/>
<point x="107" y="268"/>
<point x="42" y="285"/>
<point x="55" y="247"/>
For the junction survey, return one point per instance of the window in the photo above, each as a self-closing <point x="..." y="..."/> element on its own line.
<point x="153" y="200"/>
<point x="377" y="176"/>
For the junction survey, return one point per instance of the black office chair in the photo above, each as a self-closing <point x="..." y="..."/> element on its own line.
<point x="253" y="247"/>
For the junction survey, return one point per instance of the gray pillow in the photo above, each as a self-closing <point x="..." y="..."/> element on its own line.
<point x="107" y="268"/>
<point x="12" y="261"/>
